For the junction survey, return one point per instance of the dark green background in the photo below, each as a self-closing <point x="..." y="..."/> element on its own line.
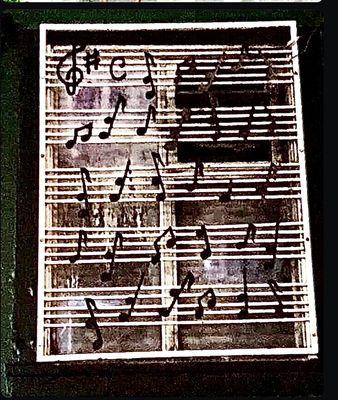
<point x="20" y="375"/>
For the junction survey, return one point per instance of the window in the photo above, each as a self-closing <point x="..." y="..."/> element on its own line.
<point x="173" y="204"/>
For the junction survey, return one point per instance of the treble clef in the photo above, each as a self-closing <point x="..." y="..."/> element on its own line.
<point x="74" y="75"/>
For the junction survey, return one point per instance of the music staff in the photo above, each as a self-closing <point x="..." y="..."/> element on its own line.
<point x="151" y="112"/>
<point x="211" y="302"/>
<point x="120" y="181"/>
<point x="85" y="176"/>
<point x="250" y="232"/>
<point x="84" y="138"/>
<point x="91" y="323"/>
<point x="157" y="180"/>
<point x="124" y="317"/>
<point x="110" y="255"/>
<point x="175" y="293"/>
<point x="170" y="244"/>
<point x="203" y="234"/>
<point x="121" y="101"/>
<point x="82" y="238"/>
<point x="148" y="79"/>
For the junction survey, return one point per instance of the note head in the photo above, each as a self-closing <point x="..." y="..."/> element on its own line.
<point x="242" y="297"/>
<point x="70" y="144"/>
<point x="211" y="303"/>
<point x="97" y="344"/>
<point x="171" y="242"/>
<point x="155" y="259"/>
<point x="80" y="196"/>
<point x="279" y="311"/>
<point x="103" y="135"/>
<point x="205" y="253"/>
<point x="170" y="146"/>
<point x="270" y="248"/>
<point x="108" y="120"/>
<point x="164" y="312"/>
<point x="141" y="131"/>
<point x="108" y="255"/>
<point x="106" y="276"/>
<point x="225" y="197"/>
<point x="243" y="314"/>
<point x="240" y="245"/>
<point x="114" y="197"/>
<point x="160" y="197"/>
<point x="90" y="323"/>
<point x="123" y="317"/>
<point x="190" y="187"/>
<point x="129" y="300"/>
<point x="119" y="181"/>
<point x="73" y="259"/>
<point x="150" y="94"/>
<point x="146" y="80"/>
<point x="155" y="180"/>
<point x="174" y="292"/>
<point x="199" y="313"/>
<point x="199" y="233"/>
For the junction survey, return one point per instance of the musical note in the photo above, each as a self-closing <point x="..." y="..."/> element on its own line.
<point x="92" y="59"/>
<point x="189" y="62"/>
<point x="175" y="132"/>
<point x="273" y="124"/>
<point x="121" y="182"/>
<point x="170" y="244"/>
<point x="121" y="101"/>
<point x="107" y="275"/>
<point x="203" y="234"/>
<point x="244" y="313"/>
<point x="122" y="65"/>
<point x="74" y="75"/>
<point x="226" y="197"/>
<point x="244" y="54"/>
<point x="148" y="79"/>
<point x="91" y="323"/>
<point x="82" y="238"/>
<point x="124" y="317"/>
<point x="214" y="118"/>
<point x="272" y="248"/>
<point x="245" y="130"/>
<point x="198" y="171"/>
<point x="84" y="138"/>
<point x="84" y="212"/>
<point x="157" y="180"/>
<point x="262" y="187"/>
<point x="211" y="75"/>
<point x="210" y="295"/>
<point x="151" y="112"/>
<point x="279" y="307"/>
<point x="251" y="231"/>
<point x="175" y="293"/>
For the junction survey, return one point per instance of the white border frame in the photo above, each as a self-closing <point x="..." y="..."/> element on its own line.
<point x="312" y="344"/>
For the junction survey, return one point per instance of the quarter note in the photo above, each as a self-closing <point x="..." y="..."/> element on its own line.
<point x="203" y="234"/>
<point x="244" y="54"/>
<point x="210" y="295"/>
<point x="199" y="167"/>
<point x="157" y="180"/>
<point x="189" y="62"/>
<point x="148" y="79"/>
<point x="175" y="132"/>
<point x="84" y="138"/>
<point x="74" y="75"/>
<point x="121" y="182"/>
<point x="245" y="130"/>
<point x="124" y="317"/>
<point x="273" y="124"/>
<point x="272" y="249"/>
<point x="279" y="307"/>
<point x="151" y="112"/>
<point x="226" y="197"/>
<point x="251" y="231"/>
<point x="84" y="212"/>
<point x="170" y="244"/>
<point x="121" y="101"/>
<point x="175" y="293"/>
<point x="214" y="118"/>
<point x="107" y="275"/>
<point x="262" y="187"/>
<point x="243" y="297"/>
<point x="91" y="323"/>
<point x="82" y="238"/>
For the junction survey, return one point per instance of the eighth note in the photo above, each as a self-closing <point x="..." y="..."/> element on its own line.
<point x="245" y="130"/>
<point x="121" y="182"/>
<point x="148" y="78"/>
<point x="279" y="308"/>
<point x="175" y="132"/>
<point x="251" y="231"/>
<point x="82" y="238"/>
<point x="83" y="213"/>
<point x="262" y="187"/>
<point x="121" y="101"/>
<point x="84" y="138"/>
<point x="175" y="293"/>
<point x="272" y="249"/>
<point x="123" y="317"/>
<point x="210" y="303"/>
<point x="91" y="323"/>
<point x="202" y="233"/>
<point x="151" y="112"/>
<point x="244" y="313"/>
<point x="107" y="275"/>
<point x="226" y="197"/>
<point x="198" y="171"/>
<point x="170" y="244"/>
<point x="157" y="180"/>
